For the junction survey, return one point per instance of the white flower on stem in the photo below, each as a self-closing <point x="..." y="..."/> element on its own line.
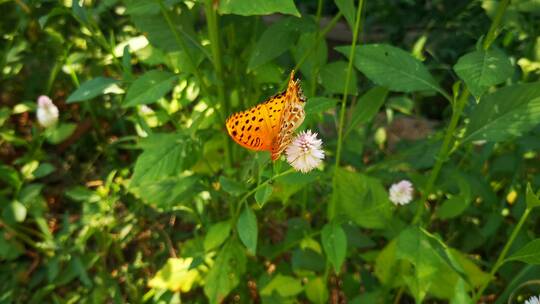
<point x="47" y="112"/>
<point x="401" y="193"/>
<point x="304" y="153"/>
<point x="533" y="300"/>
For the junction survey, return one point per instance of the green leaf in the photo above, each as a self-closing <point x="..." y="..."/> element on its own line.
<point x="334" y="243"/>
<point x="413" y="247"/>
<point x="285" y="286"/>
<point x="231" y="186"/>
<point x="263" y="194"/>
<point x="483" y="69"/>
<point x="15" y="211"/>
<point x="91" y="88"/>
<point x="217" y="234"/>
<point x="43" y="170"/>
<point x="319" y="105"/>
<point x="460" y="294"/>
<point x="10" y="176"/>
<point x="453" y="207"/>
<point x="531" y="198"/>
<point x="257" y="7"/>
<point x="506" y="113"/>
<point x="82" y="194"/>
<point x="392" y="67"/>
<point x="60" y="132"/>
<point x="530" y="253"/>
<point x="164" y="155"/>
<point x="149" y="88"/>
<point x="361" y="198"/>
<point x="333" y="77"/>
<point x="225" y="274"/>
<point x="316" y="291"/>
<point x="168" y="192"/>
<point x="368" y="106"/>
<point x="276" y="40"/>
<point x="176" y="275"/>
<point x="316" y="50"/>
<point x="247" y="229"/>
<point x="346" y="7"/>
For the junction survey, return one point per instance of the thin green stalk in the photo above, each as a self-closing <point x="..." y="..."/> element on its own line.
<point x="252" y="191"/>
<point x="319" y="11"/>
<point x="216" y="57"/>
<point x="443" y="154"/>
<point x="492" y="33"/>
<point x="500" y="260"/>
<point x="348" y="80"/>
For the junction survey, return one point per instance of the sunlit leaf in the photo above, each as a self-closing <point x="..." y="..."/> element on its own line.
<point x="506" y="113"/>
<point x="149" y="88"/>
<point x="91" y="89"/>
<point x="530" y="253"/>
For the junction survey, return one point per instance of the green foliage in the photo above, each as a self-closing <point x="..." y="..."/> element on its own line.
<point x="138" y="194"/>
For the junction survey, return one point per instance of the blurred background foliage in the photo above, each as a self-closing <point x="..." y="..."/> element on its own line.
<point x="138" y="195"/>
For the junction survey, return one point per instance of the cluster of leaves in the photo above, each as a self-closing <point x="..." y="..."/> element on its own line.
<point x="138" y="195"/>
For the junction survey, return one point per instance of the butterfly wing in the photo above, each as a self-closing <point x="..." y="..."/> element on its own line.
<point x="291" y="118"/>
<point x="250" y="128"/>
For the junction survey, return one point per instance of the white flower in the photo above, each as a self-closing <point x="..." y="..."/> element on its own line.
<point x="401" y="193"/>
<point x="47" y="112"/>
<point x="305" y="153"/>
<point x="533" y="300"/>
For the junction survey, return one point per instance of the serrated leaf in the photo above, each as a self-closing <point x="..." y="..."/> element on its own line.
<point x="176" y="275"/>
<point x="149" y="88"/>
<point x="247" y="229"/>
<point x="257" y="7"/>
<point x="165" y="193"/>
<point x="482" y="69"/>
<point x="392" y="68"/>
<point x="91" y="88"/>
<point x="506" y="113"/>
<point x="334" y="243"/>
<point x="263" y="194"/>
<point x="164" y="155"/>
<point x="530" y="253"/>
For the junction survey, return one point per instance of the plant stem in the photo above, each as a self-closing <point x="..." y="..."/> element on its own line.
<point x="348" y="80"/>
<point x="252" y="191"/>
<point x="500" y="260"/>
<point x="443" y="154"/>
<point x="492" y="33"/>
<point x="216" y="57"/>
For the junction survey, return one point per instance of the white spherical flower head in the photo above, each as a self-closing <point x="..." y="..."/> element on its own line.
<point x="533" y="300"/>
<point x="305" y="153"/>
<point x="47" y="112"/>
<point x="401" y="193"/>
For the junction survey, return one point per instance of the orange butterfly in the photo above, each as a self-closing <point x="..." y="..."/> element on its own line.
<point x="269" y="126"/>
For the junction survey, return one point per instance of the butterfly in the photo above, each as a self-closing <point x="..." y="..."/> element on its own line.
<point x="269" y="126"/>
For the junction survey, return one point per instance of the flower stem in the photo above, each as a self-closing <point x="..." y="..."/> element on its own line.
<point x="492" y="33"/>
<point x="443" y="154"/>
<point x="500" y="260"/>
<point x="357" y="27"/>
<point x="211" y="20"/>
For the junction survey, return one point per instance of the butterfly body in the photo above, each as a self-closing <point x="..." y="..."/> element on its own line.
<point x="269" y="126"/>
